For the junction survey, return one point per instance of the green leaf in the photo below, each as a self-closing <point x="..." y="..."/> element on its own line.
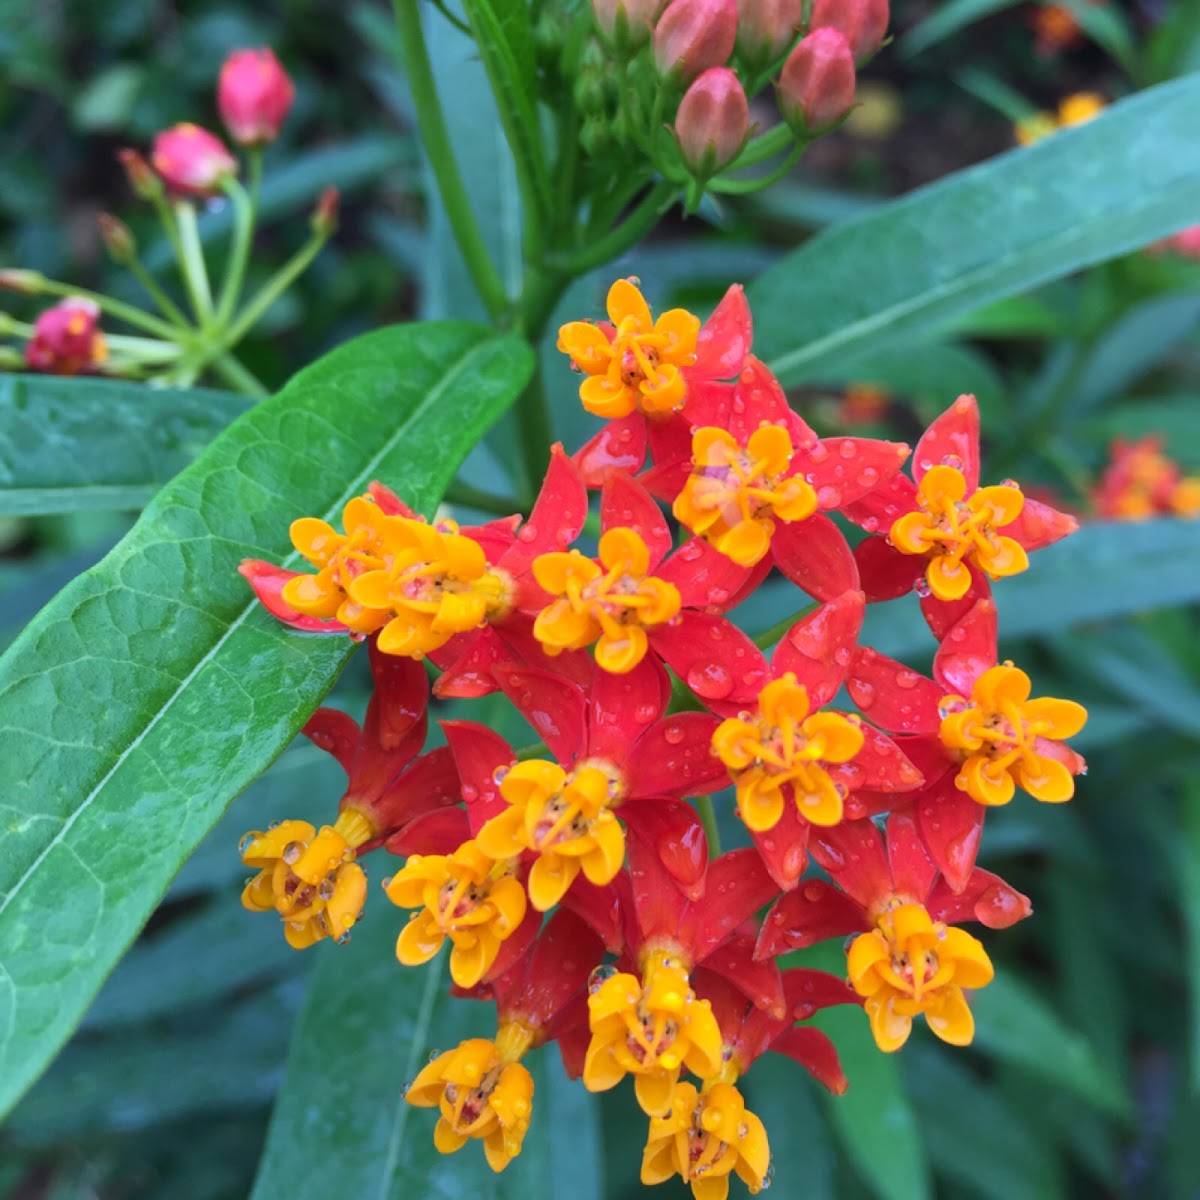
<point x="1084" y="195"/>
<point x="68" y="444"/>
<point x="341" y="1125"/>
<point x="152" y="689"/>
<point x="1176" y="418"/>
<point x="1015" y="1024"/>
<point x="1188" y="867"/>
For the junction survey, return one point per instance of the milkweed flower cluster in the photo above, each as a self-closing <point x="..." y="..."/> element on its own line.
<point x="1140" y="482"/>
<point x="578" y="888"/>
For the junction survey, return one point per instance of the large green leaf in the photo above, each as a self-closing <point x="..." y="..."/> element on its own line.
<point x="341" y="1126"/>
<point x="1040" y="212"/>
<point x="67" y="444"/>
<point x="152" y="690"/>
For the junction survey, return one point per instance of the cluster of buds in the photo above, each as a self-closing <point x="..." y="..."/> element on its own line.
<point x="1140" y="482"/>
<point x="187" y="164"/>
<point x="580" y="884"/>
<point x="704" y="61"/>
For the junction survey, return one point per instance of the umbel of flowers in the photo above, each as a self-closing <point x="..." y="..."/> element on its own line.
<point x="580" y="890"/>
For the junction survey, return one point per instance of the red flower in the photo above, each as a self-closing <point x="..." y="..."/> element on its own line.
<point x="67" y="339"/>
<point x="944" y="534"/>
<point x="254" y="96"/>
<point x="191" y="160"/>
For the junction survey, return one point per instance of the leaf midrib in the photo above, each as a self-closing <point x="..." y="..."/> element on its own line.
<point x="433" y="396"/>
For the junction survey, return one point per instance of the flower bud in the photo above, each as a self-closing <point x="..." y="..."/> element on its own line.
<point x="191" y="160"/>
<point x="816" y="88"/>
<point x="118" y="238"/>
<point x="765" y="29"/>
<point x="324" y="217"/>
<point x="863" y="23"/>
<point x="693" y="35"/>
<point x="254" y="95"/>
<point x="626" y="24"/>
<point x="713" y="121"/>
<point x="67" y="339"/>
<point x="142" y="180"/>
<point x="16" y="279"/>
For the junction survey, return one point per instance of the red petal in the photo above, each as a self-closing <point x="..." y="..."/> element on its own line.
<point x="705" y="577"/>
<point x="440" y="831"/>
<point x="912" y="870"/>
<point x="1039" y="525"/>
<point x="951" y="825"/>
<point x="674" y="758"/>
<point x="886" y="574"/>
<point x="625" y="503"/>
<point x="467" y="661"/>
<point x="267" y="580"/>
<point x="336" y="733"/>
<point x="952" y="439"/>
<point x="815" y="555"/>
<point x="619" y="446"/>
<point x="714" y="658"/>
<point x="557" y="517"/>
<point x="665" y="481"/>
<point x="816" y="1054"/>
<point x="623" y="707"/>
<point x="880" y="766"/>
<point x="760" y="982"/>
<point x="910" y="706"/>
<point x="737" y="887"/>
<point x="968" y="648"/>
<point x="400" y="699"/>
<point x="516" y="945"/>
<point x="818" y="648"/>
<point x="877" y="511"/>
<point x="862" y="804"/>
<point x="725" y="338"/>
<point x="388" y="501"/>
<point x="377" y="766"/>
<point x="757" y="400"/>
<point x="986" y="898"/>
<point x="729" y="1006"/>
<point x="554" y="972"/>
<point x="573" y="1040"/>
<point x="674" y="830"/>
<point x="555" y="707"/>
<point x="807" y="991"/>
<point x="942" y="615"/>
<point x="478" y="754"/>
<point x="812" y="913"/>
<point x="658" y="904"/>
<point x="784" y="849"/>
<point x="430" y="782"/>
<point x="602" y="909"/>
<point x="496" y="537"/>
<point x="670" y="438"/>
<point x="845" y="469"/>
<point x="853" y="853"/>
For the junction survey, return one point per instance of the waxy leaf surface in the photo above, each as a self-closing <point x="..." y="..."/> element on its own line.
<point x="152" y="690"/>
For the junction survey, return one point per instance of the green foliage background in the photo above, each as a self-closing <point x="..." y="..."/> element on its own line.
<point x="1018" y="280"/>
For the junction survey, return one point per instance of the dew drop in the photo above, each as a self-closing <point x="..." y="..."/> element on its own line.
<point x="600" y="975"/>
<point x="828" y="496"/>
<point x="864" y="694"/>
<point x="673" y="735"/>
<point x="292" y="852"/>
<point x="841" y="656"/>
<point x="907" y="680"/>
<point x="711" y="680"/>
<point x="500" y="773"/>
<point x="868" y="477"/>
<point x="819" y="452"/>
<point x="246" y="839"/>
<point x="952" y="460"/>
<point x="922" y="588"/>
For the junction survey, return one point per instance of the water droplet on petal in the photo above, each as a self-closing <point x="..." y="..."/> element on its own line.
<point x="922" y="587"/>
<point x="598" y="977"/>
<point x="711" y="680"/>
<point x="952" y="460"/>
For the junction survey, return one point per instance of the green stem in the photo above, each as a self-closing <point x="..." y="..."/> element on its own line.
<point x="469" y="496"/>
<point x="239" y="254"/>
<point x="116" y="308"/>
<point x="166" y="305"/>
<point x="708" y="818"/>
<point x="765" y="146"/>
<point x="440" y="153"/>
<point x="195" y="273"/>
<point x="536" y="437"/>
<point x="610" y="207"/>
<point x="238" y="377"/>
<point x="631" y="231"/>
<point x="770" y="636"/>
<point x="271" y="291"/>
<point x="533" y="750"/>
<point x="742" y="187"/>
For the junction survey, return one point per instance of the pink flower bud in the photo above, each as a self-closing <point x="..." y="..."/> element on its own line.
<point x="766" y="28"/>
<point x="118" y="238"/>
<point x="324" y="217"/>
<point x="254" y="95"/>
<point x="67" y="339"/>
<point x="713" y="121"/>
<point x="191" y="160"/>
<point x="816" y="88"/>
<point x="142" y="179"/>
<point x="626" y="23"/>
<point x="863" y="23"/>
<point x="693" y="35"/>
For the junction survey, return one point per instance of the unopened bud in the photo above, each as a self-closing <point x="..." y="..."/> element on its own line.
<point x="590" y="90"/>
<point x="254" y="96"/>
<point x="142" y="179"/>
<point x="863" y="23"/>
<point x="28" y="283"/>
<point x="324" y="217"/>
<point x="626" y="24"/>
<point x="595" y="137"/>
<point x="693" y="35"/>
<point x="816" y="88"/>
<point x="765" y="30"/>
<point x="67" y="339"/>
<point x="118" y="238"/>
<point x="713" y="121"/>
<point x="191" y="160"/>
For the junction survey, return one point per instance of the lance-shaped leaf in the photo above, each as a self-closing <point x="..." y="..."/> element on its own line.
<point x="146" y="695"/>
<point x="1082" y="196"/>
<point x="71" y="444"/>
